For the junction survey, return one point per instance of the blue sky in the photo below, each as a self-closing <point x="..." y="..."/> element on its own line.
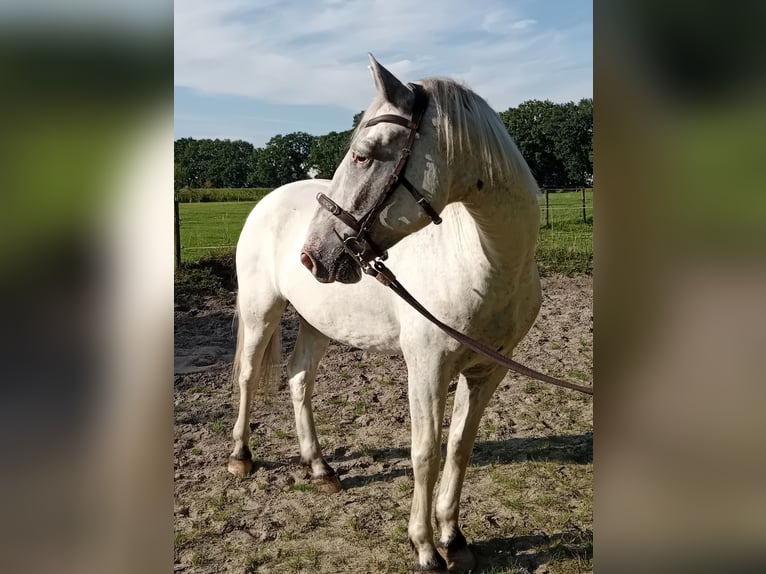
<point x="251" y="69"/>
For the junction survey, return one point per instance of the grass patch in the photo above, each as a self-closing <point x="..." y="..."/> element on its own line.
<point x="580" y="375"/>
<point x="218" y="427"/>
<point x="194" y="284"/>
<point x="209" y="275"/>
<point x="184" y="537"/>
<point x="405" y="487"/>
<point x="198" y="558"/>
<point x="564" y="246"/>
<point x="508" y="481"/>
<point x="355" y="526"/>
<point x="263" y="557"/>
<point x="222" y="194"/>
<point x="338" y="400"/>
<point x="399" y="532"/>
<point x="303" y="487"/>
<point x="217" y="502"/>
<point x="211" y="228"/>
<point x="222" y="510"/>
<point x="514" y="503"/>
<point x="306" y="560"/>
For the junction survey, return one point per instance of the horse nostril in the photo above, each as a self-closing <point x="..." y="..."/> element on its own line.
<point x="307" y="261"/>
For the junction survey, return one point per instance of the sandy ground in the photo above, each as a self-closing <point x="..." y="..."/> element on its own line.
<point x="527" y="499"/>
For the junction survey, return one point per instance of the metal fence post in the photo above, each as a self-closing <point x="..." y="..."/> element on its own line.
<point x="547" y="213"/>
<point x="177" y="232"/>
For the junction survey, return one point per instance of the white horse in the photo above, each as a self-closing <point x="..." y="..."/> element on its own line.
<point x="476" y="272"/>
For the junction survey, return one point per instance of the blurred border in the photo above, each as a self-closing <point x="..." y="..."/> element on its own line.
<point x="679" y="286"/>
<point x="86" y="336"/>
<point x="86" y="270"/>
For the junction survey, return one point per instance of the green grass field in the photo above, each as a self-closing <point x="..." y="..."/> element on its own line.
<point x="211" y="228"/>
<point x="566" y="247"/>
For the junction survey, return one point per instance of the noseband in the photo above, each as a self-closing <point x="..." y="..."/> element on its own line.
<point x="360" y="243"/>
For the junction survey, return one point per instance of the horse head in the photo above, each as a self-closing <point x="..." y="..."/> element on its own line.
<point x="387" y="186"/>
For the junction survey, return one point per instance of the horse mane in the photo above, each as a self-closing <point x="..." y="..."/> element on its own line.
<point x="467" y="124"/>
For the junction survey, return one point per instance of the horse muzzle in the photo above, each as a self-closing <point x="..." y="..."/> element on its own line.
<point x="340" y="266"/>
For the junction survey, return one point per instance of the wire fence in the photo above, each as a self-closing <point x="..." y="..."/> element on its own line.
<point x="556" y="224"/>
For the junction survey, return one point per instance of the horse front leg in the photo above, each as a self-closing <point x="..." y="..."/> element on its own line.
<point x="427" y="396"/>
<point x="471" y="398"/>
<point x="310" y="347"/>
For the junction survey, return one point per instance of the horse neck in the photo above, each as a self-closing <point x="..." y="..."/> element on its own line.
<point x="506" y="217"/>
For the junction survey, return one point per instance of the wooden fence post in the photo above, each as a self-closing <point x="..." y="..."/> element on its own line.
<point x="584" y="217"/>
<point x="547" y="213"/>
<point x="177" y="232"/>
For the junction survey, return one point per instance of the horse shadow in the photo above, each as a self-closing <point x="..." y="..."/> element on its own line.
<point x="526" y="553"/>
<point x="567" y="449"/>
<point x="564" y="449"/>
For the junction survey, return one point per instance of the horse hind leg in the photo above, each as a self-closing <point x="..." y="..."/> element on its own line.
<point x="473" y="393"/>
<point x="310" y="347"/>
<point x="257" y="355"/>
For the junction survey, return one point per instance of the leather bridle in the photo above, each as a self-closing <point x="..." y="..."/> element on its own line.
<point x="358" y="245"/>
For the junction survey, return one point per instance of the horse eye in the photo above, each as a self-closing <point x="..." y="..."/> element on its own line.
<point x="358" y="158"/>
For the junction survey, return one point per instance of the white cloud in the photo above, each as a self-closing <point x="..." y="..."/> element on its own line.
<point x="304" y="52"/>
<point x="523" y="24"/>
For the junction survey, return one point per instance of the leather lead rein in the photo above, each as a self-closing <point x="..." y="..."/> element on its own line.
<point x="383" y="274"/>
<point x="354" y="244"/>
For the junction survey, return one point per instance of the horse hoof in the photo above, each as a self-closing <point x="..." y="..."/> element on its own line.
<point x="328" y="484"/>
<point x="240" y="468"/>
<point x="461" y="560"/>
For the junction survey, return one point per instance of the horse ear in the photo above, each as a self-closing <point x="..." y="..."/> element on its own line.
<point x="389" y="86"/>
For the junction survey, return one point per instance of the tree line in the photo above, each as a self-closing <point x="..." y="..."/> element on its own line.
<point x="555" y="139"/>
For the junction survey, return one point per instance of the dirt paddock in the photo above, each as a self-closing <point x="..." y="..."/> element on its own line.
<point x="527" y="499"/>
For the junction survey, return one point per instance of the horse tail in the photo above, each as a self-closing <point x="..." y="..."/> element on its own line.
<point x="236" y="369"/>
<point x="270" y="364"/>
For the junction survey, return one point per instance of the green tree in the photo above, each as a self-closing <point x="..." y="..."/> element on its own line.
<point x="232" y="162"/>
<point x="357" y="119"/>
<point x="555" y="139"/>
<point x="254" y="176"/>
<point x="180" y="176"/>
<point x="216" y="163"/>
<point x="284" y="159"/>
<point x="327" y="153"/>
<point x="185" y="155"/>
<point x="533" y="126"/>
